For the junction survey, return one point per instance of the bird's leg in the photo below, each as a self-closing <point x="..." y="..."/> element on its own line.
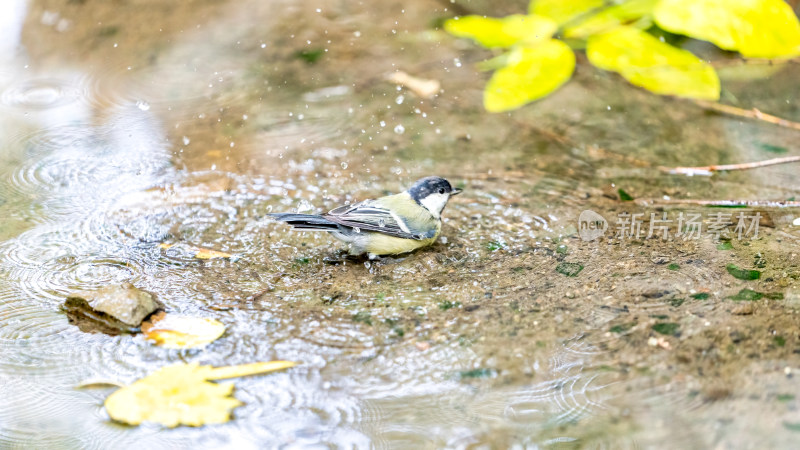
<point x="336" y="258"/>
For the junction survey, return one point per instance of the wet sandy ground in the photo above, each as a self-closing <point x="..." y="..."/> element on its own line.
<point x="134" y="123"/>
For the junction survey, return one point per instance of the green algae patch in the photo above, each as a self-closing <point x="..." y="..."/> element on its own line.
<point x="668" y="328"/>
<point x="742" y="274"/>
<point x="569" y="269"/>
<point x="751" y="295"/>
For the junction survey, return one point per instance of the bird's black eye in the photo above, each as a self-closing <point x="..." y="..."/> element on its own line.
<point x="441" y="190"/>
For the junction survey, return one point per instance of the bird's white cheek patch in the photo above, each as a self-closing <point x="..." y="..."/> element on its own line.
<point x="435" y="203"/>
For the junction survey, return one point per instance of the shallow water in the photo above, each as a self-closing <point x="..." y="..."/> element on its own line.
<point x="127" y="125"/>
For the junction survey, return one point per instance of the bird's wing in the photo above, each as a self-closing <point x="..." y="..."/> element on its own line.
<point x="371" y="216"/>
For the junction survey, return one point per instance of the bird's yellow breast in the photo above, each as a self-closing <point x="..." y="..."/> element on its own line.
<point x="383" y="244"/>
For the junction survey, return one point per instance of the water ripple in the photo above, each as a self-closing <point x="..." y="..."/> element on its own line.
<point x="42" y="93"/>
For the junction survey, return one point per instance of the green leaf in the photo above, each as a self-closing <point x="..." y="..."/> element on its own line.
<point x="666" y="328"/>
<point x="612" y="17"/>
<point x="532" y="73"/>
<point x="562" y="11"/>
<point x="649" y="63"/>
<point x="491" y="32"/>
<point x="477" y="373"/>
<point x="748" y="295"/>
<point x="754" y="28"/>
<point x="569" y="269"/>
<point x="493" y="246"/>
<point x="726" y="245"/>
<point x="742" y="274"/>
<point x="447" y="304"/>
<point x="791" y="426"/>
<point x="773" y="148"/>
<point x="621" y="328"/>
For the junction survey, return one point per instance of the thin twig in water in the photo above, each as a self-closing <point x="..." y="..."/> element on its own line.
<point x="753" y="62"/>
<point x="708" y="170"/>
<point x="720" y="203"/>
<point x="754" y="113"/>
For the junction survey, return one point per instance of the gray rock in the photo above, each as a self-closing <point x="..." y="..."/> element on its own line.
<point x="112" y="309"/>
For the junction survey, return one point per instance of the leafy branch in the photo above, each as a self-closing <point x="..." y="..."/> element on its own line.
<point x="539" y="55"/>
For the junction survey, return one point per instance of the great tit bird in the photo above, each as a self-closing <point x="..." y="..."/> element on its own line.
<point x="389" y="225"/>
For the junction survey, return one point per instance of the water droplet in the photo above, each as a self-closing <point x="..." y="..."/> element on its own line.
<point x="456" y="62"/>
<point x="383" y="123"/>
<point x="263" y="45"/>
<point x="304" y="206"/>
<point x="344" y="165"/>
<point x="186" y="140"/>
<point x="399" y="129"/>
<point x="143" y="105"/>
<point x="357" y="230"/>
<point x="399" y="99"/>
<point x="381" y="223"/>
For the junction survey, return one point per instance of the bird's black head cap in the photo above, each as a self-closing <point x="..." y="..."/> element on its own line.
<point x="431" y="185"/>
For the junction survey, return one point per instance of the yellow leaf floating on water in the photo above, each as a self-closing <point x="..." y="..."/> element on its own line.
<point x="612" y="17"/>
<point x="649" y="63"/>
<point x="98" y="383"/>
<point x="200" y="253"/>
<point x="754" y="28"/>
<point x="562" y="11"/>
<point x="172" y="396"/>
<point x="243" y="370"/>
<point x="204" y="253"/>
<point x="531" y="73"/>
<point x="176" y="331"/>
<point x="492" y="32"/>
<point x="180" y="395"/>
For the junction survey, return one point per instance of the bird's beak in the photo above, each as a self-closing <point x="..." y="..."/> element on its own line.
<point x="455" y="191"/>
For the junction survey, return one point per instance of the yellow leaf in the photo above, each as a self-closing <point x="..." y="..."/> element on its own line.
<point x="172" y="396"/>
<point x="199" y="253"/>
<point x="532" y="73"/>
<point x="182" y="395"/>
<point x="754" y="28"/>
<point x="562" y="11"/>
<point x="176" y="331"/>
<point x="204" y="253"/>
<point x="649" y="63"/>
<point x="244" y="370"/>
<point x="491" y="32"/>
<point x="611" y="17"/>
<point x="98" y="382"/>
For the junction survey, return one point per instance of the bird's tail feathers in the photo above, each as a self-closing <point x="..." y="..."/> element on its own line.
<point x="307" y="222"/>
